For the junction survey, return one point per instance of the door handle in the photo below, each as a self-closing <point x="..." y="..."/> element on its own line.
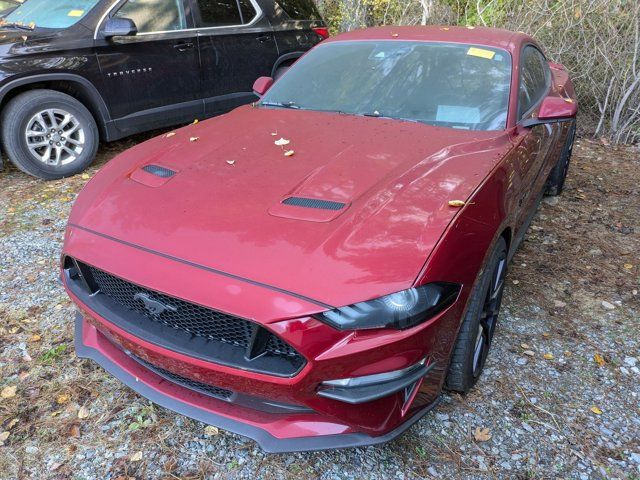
<point x="183" y="46"/>
<point x="263" y="38"/>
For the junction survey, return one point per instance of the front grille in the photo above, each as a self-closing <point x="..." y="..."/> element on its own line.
<point x="182" y="326"/>
<point x="204" y="388"/>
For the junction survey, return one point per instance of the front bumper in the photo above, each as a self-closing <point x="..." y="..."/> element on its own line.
<point x="90" y="343"/>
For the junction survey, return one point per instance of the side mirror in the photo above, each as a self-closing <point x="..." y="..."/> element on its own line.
<point x="553" y="109"/>
<point x="261" y="85"/>
<point x="120" y="27"/>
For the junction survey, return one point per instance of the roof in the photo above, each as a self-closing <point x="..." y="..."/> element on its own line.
<point x="491" y="37"/>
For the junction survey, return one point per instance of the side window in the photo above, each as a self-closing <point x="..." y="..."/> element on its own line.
<point x="218" y="13"/>
<point x="534" y="79"/>
<point x="299" y="9"/>
<point x="154" y="15"/>
<point x="248" y="11"/>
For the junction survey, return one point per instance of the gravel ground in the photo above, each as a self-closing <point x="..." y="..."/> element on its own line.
<point x="559" y="398"/>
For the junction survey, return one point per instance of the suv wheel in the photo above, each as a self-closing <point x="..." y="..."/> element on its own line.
<point x="49" y="134"/>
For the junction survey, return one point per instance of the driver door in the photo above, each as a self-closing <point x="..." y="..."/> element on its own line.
<point x="153" y="78"/>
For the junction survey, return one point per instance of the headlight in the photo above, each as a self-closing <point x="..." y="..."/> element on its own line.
<point x="400" y="310"/>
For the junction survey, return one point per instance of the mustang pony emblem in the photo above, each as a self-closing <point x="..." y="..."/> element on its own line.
<point x="154" y="307"/>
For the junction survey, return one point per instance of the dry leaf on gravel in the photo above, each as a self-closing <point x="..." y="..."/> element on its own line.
<point x="596" y="410"/>
<point x="548" y="356"/>
<point x="211" y="431"/>
<point x="83" y="412"/>
<point x="481" y="434"/>
<point x="3" y="437"/>
<point x="529" y="353"/>
<point x="8" y="392"/>
<point x="62" y="399"/>
<point x="599" y="359"/>
<point x="74" y="431"/>
<point x="136" y="457"/>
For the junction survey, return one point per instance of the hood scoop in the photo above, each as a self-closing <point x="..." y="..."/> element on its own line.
<point x="313" y="203"/>
<point x="308" y="209"/>
<point x="152" y="175"/>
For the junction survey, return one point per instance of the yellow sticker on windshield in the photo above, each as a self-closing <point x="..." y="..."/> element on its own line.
<point x="75" y="13"/>
<point x="481" y="52"/>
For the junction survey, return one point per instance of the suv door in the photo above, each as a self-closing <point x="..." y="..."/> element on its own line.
<point x="153" y="77"/>
<point x="236" y="47"/>
<point x="535" y="82"/>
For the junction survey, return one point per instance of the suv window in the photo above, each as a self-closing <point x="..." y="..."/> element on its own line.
<point x="154" y="15"/>
<point x="534" y="79"/>
<point x="299" y="9"/>
<point x="219" y="13"/>
<point x="48" y="14"/>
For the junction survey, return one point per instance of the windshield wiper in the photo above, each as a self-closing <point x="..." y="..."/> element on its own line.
<point x="18" y="26"/>
<point x="377" y="114"/>
<point x="281" y="104"/>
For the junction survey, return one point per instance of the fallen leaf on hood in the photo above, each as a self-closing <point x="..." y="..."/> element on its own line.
<point x="289" y="153"/>
<point x="481" y="434"/>
<point x="136" y="457"/>
<point x="282" y="142"/>
<point x="274" y="134"/>
<point x="394" y="35"/>
<point x="457" y="203"/>
<point x="170" y="134"/>
<point x="596" y="410"/>
<point x="548" y="356"/>
<point x="196" y="121"/>
<point x="231" y="162"/>
<point x="194" y="139"/>
<point x="211" y="431"/>
<point x="444" y="28"/>
<point x="83" y="412"/>
<point x="8" y="392"/>
<point x="599" y="359"/>
<point x="3" y="437"/>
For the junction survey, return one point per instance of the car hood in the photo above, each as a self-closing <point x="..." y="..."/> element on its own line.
<point x="223" y="207"/>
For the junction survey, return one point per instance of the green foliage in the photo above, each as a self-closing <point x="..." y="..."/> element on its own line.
<point x="53" y="354"/>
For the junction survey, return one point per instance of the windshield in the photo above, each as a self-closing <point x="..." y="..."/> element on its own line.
<point x="50" y="14"/>
<point x="451" y="85"/>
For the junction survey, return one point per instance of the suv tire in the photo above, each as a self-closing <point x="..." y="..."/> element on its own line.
<point x="49" y="134"/>
<point x="479" y="323"/>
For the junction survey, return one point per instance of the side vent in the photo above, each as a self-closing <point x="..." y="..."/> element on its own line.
<point x="159" y="171"/>
<point x="313" y="203"/>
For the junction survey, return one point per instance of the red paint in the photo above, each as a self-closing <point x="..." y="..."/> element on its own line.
<point x="223" y="210"/>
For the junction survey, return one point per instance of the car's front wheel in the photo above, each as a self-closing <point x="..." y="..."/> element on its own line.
<point x="479" y="323"/>
<point x="49" y="134"/>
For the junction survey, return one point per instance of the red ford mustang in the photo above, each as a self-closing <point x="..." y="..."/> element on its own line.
<point x="312" y="270"/>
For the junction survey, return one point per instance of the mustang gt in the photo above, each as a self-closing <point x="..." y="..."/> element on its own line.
<point x="312" y="270"/>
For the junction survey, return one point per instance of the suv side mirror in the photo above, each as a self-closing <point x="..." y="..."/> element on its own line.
<point x="120" y="27"/>
<point x="261" y="85"/>
<point x="553" y="109"/>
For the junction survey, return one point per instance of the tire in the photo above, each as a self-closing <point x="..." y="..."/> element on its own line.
<point x="555" y="183"/>
<point x="479" y="324"/>
<point x="58" y="155"/>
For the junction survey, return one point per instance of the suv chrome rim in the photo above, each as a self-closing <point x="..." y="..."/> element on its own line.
<point x="55" y="137"/>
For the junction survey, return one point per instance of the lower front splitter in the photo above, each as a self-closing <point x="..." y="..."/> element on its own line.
<point x="265" y="440"/>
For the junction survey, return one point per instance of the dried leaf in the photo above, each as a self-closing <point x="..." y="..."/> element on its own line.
<point x="196" y="121"/>
<point x="74" y="431"/>
<point x="481" y="434"/>
<point x="444" y="28"/>
<point x="289" y="153"/>
<point x="231" y="162"/>
<point x="596" y="410"/>
<point x="12" y="423"/>
<point x="170" y="134"/>
<point x="136" y="457"/>
<point x="457" y="203"/>
<point x="282" y="142"/>
<point x="35" y="338"/>
<point x="83" y="412"/>
<point x="546" y="334"/>
<point x="3" y="437"/>
<point x="194" y="139"/>
<point x="24" y="38"/>
<point x="274" y="134"/>
<point x="628" y="266"/>
<point x="8" y="392"/>
<point x="55" y="466"/>
<point x="525" y="346"/>
<point x="85" y="176"/>
<point x="599" y="359"/>
<point x="529" y="353"/>
<point x="394" y="35"/>
<point x="211" y="431"/>
<point x="62" y="399"/>
<point x="548" y="356"/>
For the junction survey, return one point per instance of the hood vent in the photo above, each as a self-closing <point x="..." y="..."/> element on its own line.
<point x="313" y="203"/>
<point x="159" y="171"/>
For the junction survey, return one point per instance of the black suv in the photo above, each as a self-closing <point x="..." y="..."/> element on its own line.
<point x="74" y="72"/>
